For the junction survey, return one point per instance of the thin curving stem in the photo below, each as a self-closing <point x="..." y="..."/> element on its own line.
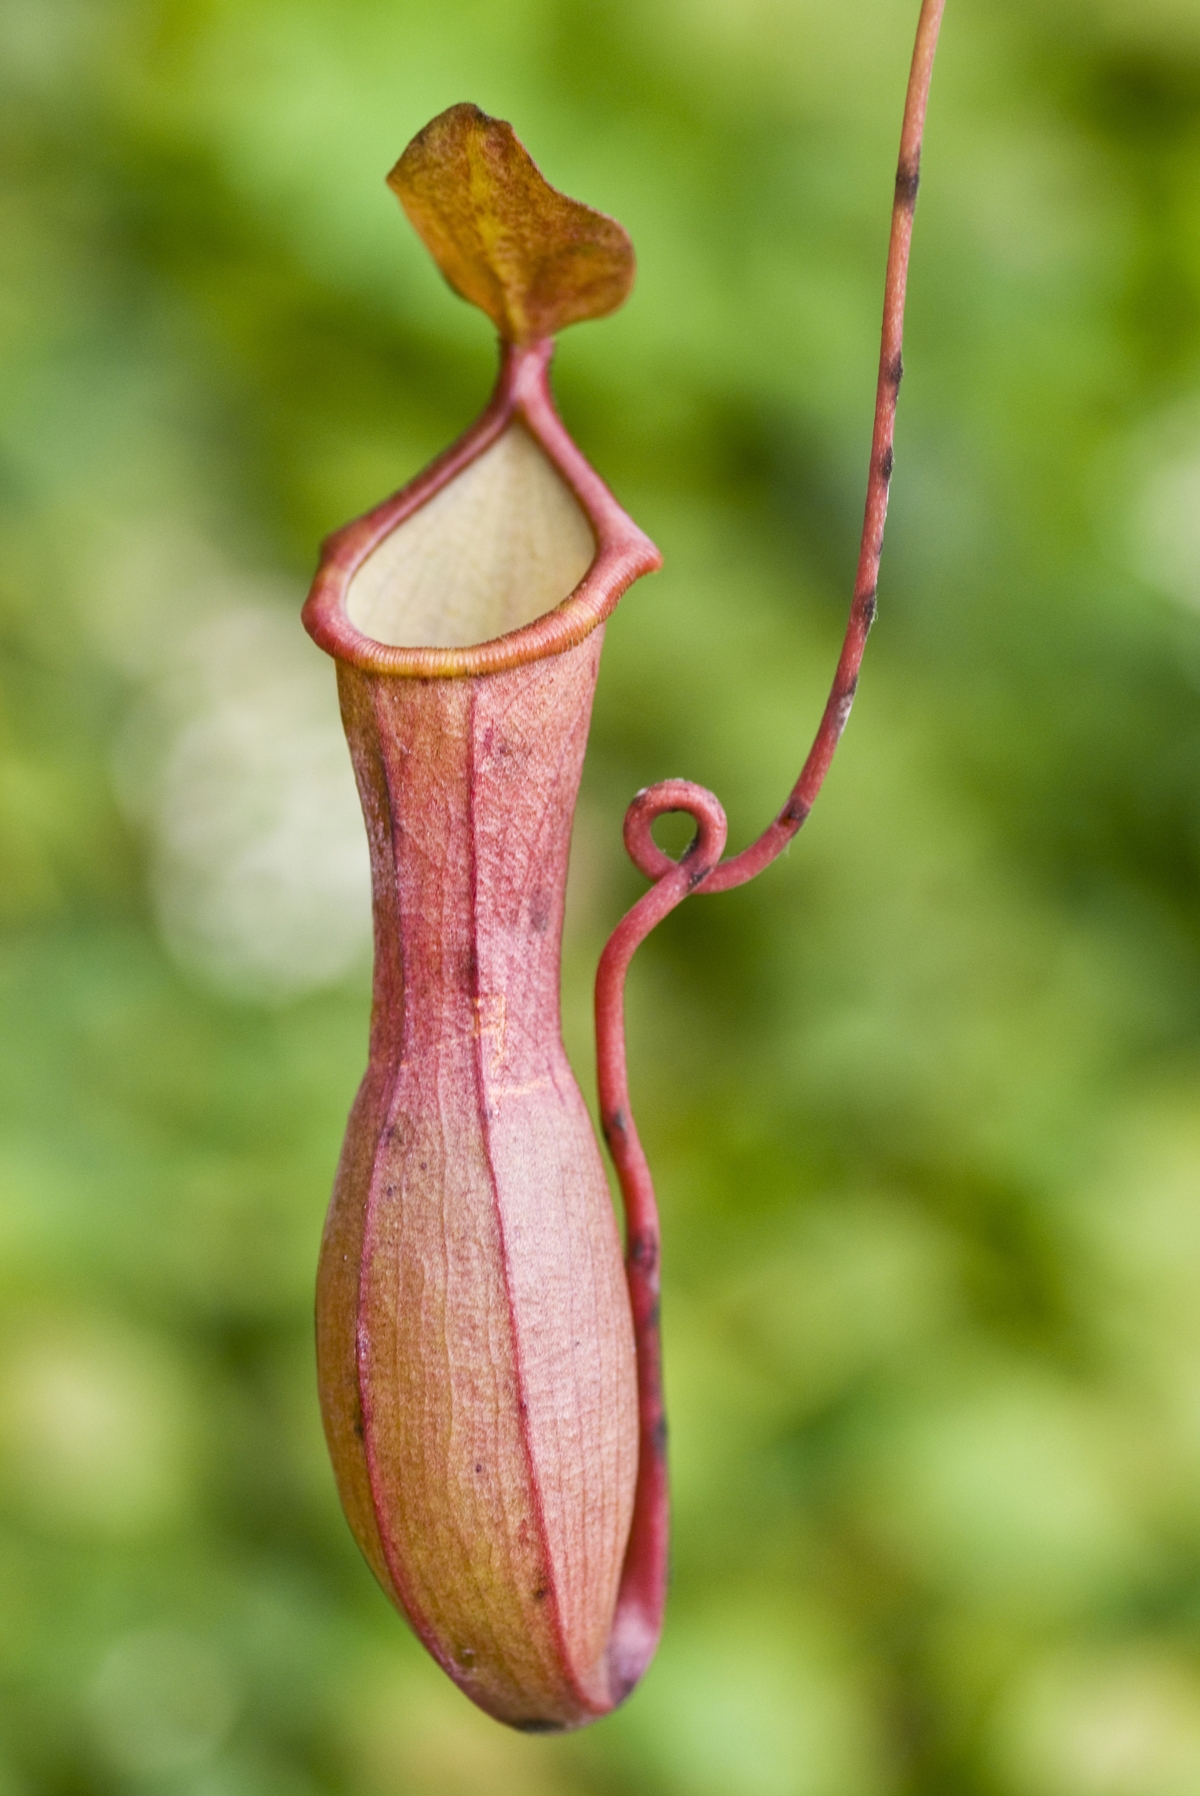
<point x="775" y="838"/>
<point x="642" y="1593"/>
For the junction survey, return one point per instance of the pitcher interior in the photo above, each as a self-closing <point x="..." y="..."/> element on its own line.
<point x="501" y="544"/>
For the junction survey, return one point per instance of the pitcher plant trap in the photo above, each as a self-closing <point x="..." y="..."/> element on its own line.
<point x="488" y="1352"/>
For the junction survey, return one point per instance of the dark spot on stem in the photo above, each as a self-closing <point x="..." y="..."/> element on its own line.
<point x="658" y="1437"/>
<point x="541" y="1593"/>
<point x="908" y="179"/>
<point x="643" y="1253"/>
<point x="869" y="606"/>
<point x="896" y="370"/>
<point x="794" y="812"/>
<point x="615" y="1124"/>
<point x="887" y="462"/>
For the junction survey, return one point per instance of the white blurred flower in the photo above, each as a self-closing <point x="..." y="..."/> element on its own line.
<point x="236" y="765"/>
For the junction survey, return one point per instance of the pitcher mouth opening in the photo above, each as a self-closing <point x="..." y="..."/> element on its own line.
<point x="507" y="549"/>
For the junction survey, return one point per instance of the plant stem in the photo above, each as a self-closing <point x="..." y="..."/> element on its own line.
<point x="741" y="867"/>
<point x="642" y="1591"/>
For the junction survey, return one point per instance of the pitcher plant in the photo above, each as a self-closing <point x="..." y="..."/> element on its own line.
<point x="488" y="1355"/>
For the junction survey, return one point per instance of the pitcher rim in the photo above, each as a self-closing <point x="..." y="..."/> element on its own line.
<point x="623" y="551"/>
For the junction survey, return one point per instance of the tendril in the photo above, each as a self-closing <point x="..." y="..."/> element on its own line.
<point x="700" y="868"/>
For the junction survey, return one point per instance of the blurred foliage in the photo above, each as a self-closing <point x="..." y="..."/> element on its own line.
<point x="922" y="1103"/>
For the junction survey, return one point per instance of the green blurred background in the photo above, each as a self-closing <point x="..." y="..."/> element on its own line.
<point x="923" y="1103"/>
